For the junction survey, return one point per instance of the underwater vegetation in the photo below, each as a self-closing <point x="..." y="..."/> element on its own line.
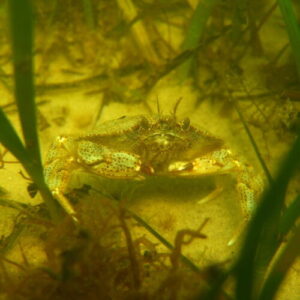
<point x="67" y="65"/>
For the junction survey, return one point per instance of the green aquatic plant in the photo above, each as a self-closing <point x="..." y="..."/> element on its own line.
<point x="271" y="245"/>
<point x="261" y="269"/>
<point x="29" y="153"/>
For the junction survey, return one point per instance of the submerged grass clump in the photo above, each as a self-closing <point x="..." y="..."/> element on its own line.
<point x="101" y="260"/>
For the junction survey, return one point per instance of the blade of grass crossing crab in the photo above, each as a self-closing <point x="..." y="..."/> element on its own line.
<point x="21" y="19"/>
<point x="293" y="29"/>
<point x="12" y="142"/>
<point x="195" y="33"/>
<point x="22" y="37"/>
<point x="280" y="268"/>
<point x="261" y="237"/>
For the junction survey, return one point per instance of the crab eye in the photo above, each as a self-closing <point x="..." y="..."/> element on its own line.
<point x="186" y="123"/>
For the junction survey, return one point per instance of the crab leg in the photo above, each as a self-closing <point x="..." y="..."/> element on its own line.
<point x="57" y="172"/>
<point x="68" y="155"/>
<point x="222" y="162"/>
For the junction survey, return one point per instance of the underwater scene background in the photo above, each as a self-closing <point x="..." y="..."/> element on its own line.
<point x="149" y="149"/>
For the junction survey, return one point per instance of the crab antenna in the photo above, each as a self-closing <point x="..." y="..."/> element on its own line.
<point x="176" y="106"/>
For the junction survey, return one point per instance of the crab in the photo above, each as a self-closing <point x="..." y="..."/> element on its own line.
<point x="138" y="147"/>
